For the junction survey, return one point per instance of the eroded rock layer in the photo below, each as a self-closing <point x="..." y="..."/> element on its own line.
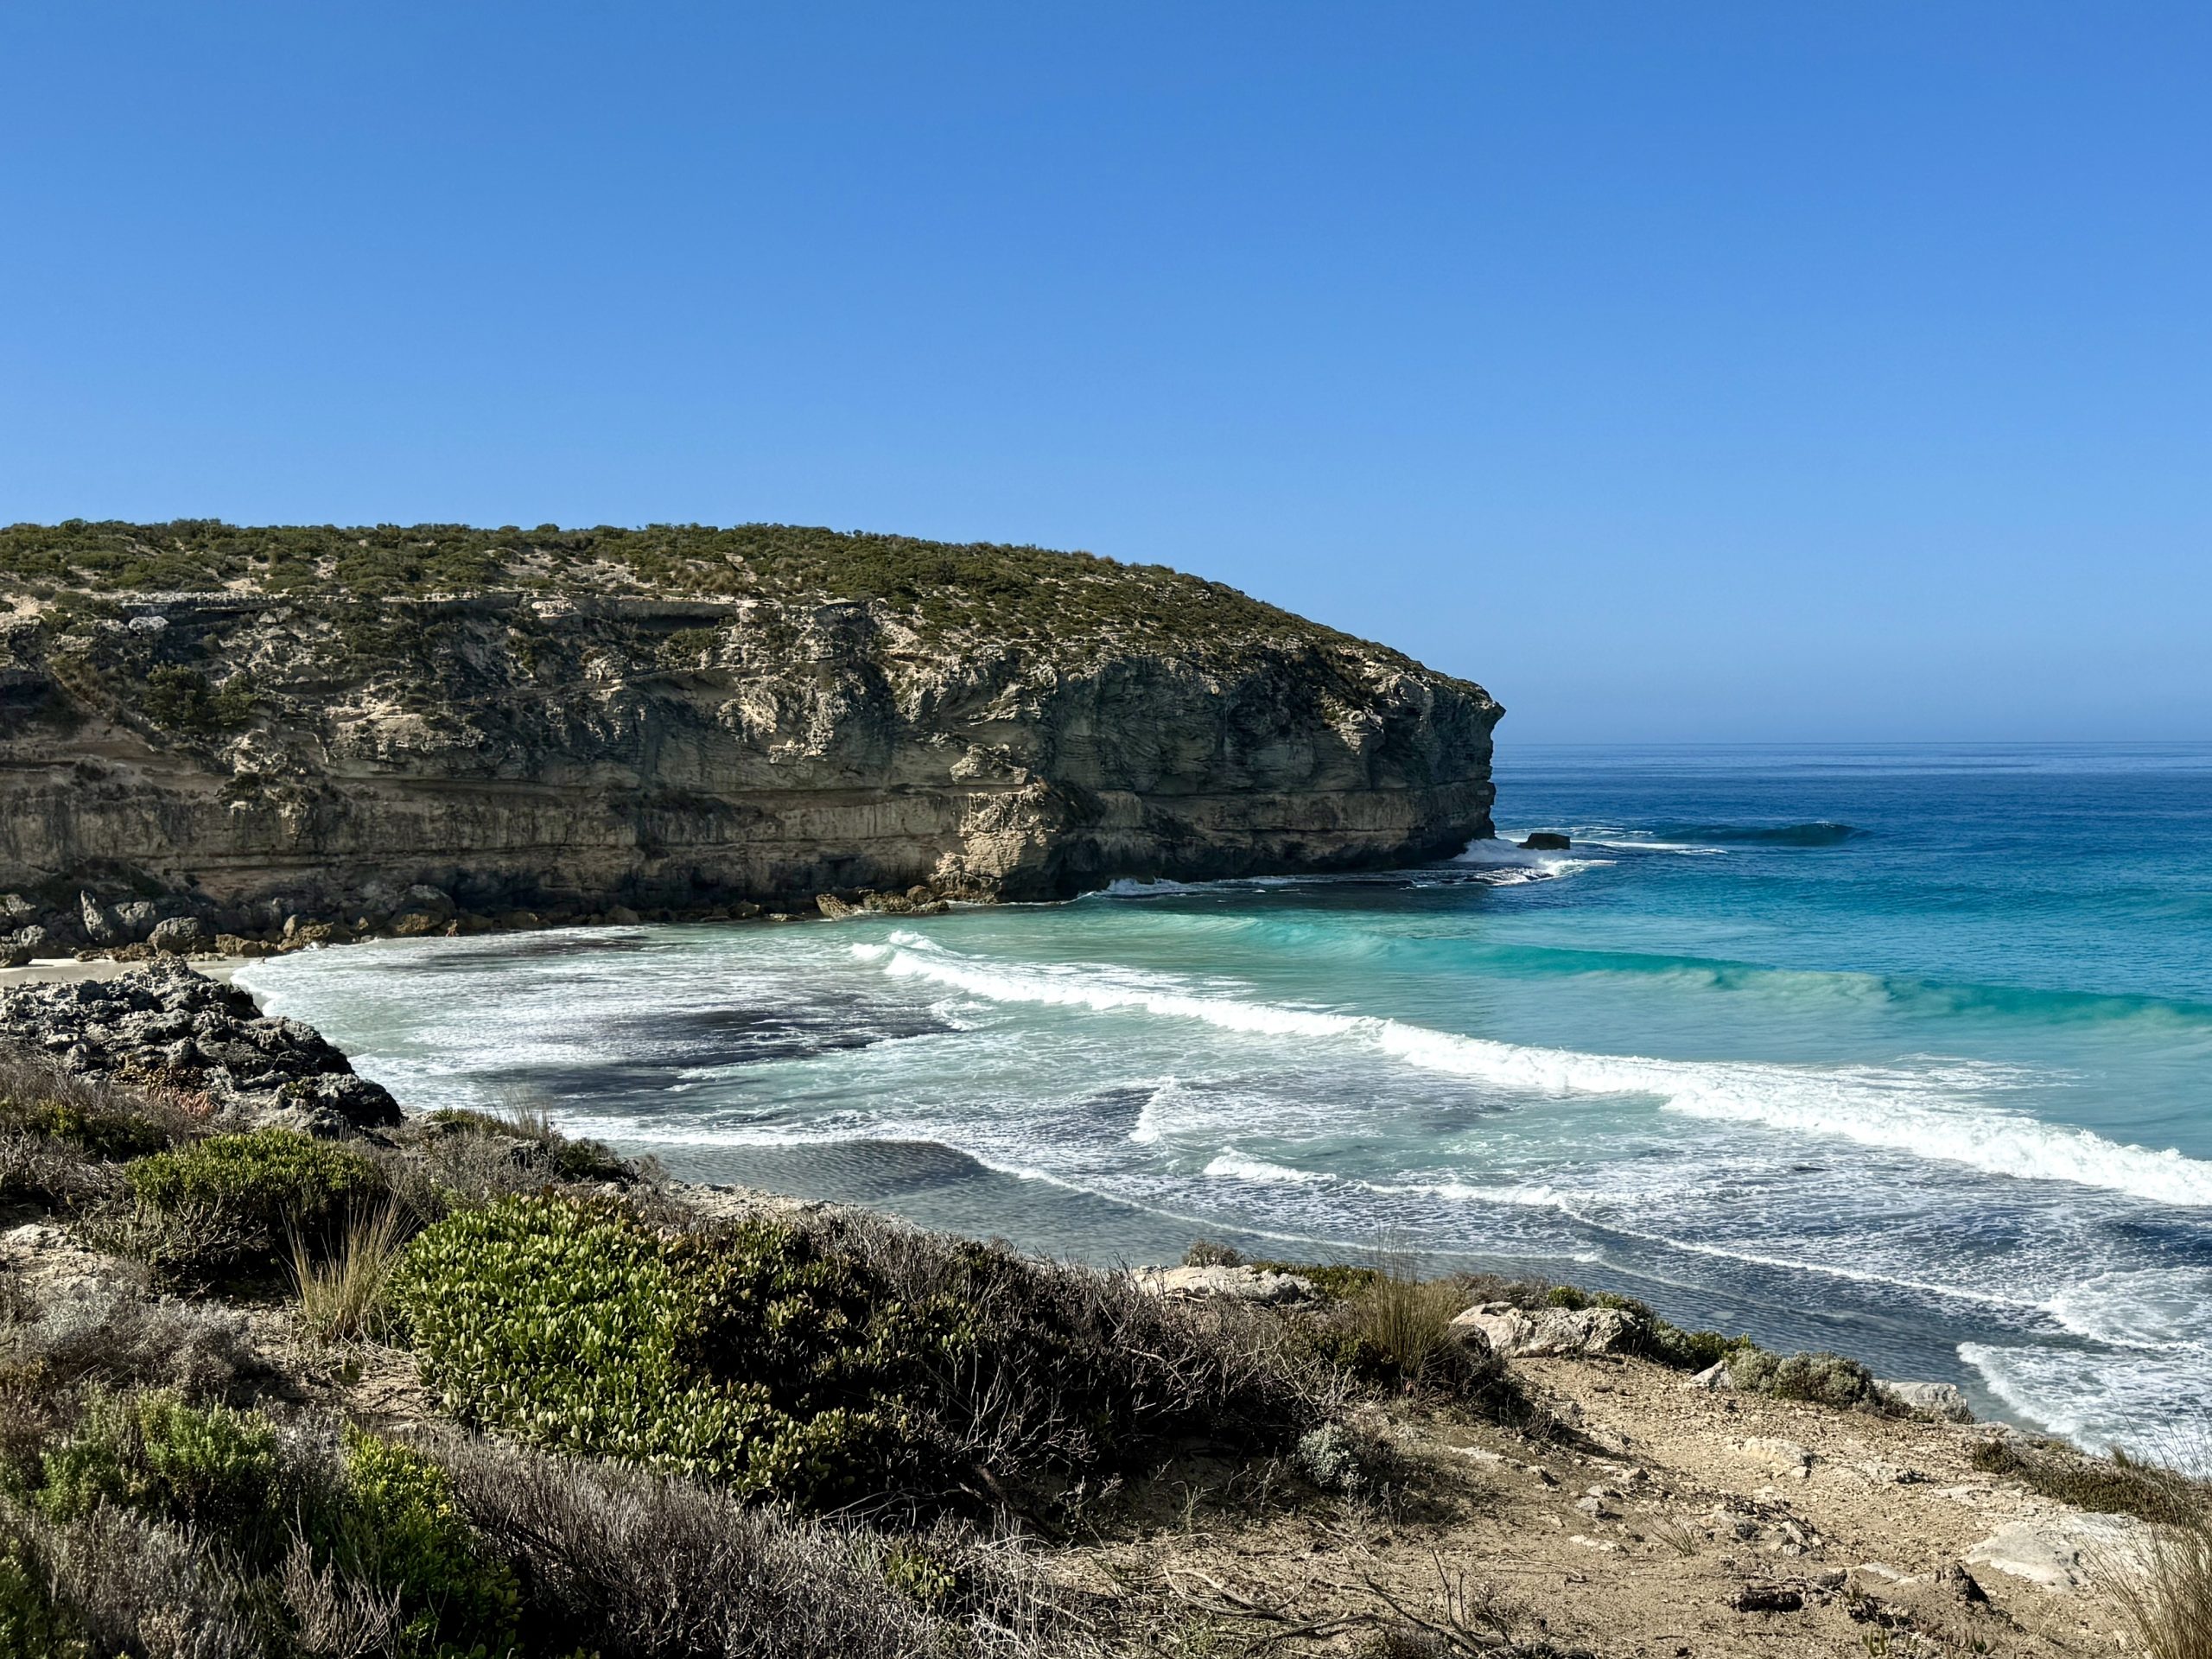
<point x="567" y="743"/>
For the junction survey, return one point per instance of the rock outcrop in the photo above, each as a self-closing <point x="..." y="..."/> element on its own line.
<point x="573" y="732"/>
<point x="168" y="1027"/>
<point x="1521" y="1333"/>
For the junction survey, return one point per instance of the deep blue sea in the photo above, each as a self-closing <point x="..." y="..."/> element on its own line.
<point x="1901" y="1052"/>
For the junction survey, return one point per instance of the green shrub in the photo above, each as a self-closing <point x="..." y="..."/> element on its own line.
<point x="98" y="1129"/>
<point x="2121" y="1485"/>
<point x="182" y="699"/>
<point x="543" y="1149"/>
<point x="153" y="1455"/>
<point x="1656" y="1339"/>
<point x="741" y="1355"/>
<point x="688" y="647"/>
<point x="31" y="1626"/>
<point x="1823" y="1378"/>
<point x="238" y="1193"/>
<point x="401" y="1529"/>
<point x="813" y="1362"/>
<point x="1334" y="1280"/>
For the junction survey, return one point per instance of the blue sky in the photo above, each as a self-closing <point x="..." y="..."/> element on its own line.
<point x="1690" y="372"/>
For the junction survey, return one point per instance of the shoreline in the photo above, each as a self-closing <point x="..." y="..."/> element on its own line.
<point x="1709" y="1504"/>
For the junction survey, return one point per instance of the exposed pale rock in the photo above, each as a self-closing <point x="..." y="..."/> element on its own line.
<point x="1243" y="1284"/>
<point x="2062" y="1554"/>
<point x="1514" y="1333"/>
<point x="1943" y="1401"/>
<point x="526" y="755"/>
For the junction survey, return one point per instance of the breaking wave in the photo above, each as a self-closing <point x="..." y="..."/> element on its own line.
<point x="1932" y="1113"/>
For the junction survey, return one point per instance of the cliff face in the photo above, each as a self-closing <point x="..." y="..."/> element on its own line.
<point x="577" y="740"/>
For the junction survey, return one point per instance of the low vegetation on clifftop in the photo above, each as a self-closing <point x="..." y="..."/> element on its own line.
<point x="1008" y="592"/>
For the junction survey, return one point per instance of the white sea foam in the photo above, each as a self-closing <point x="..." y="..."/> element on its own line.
<point x="2153" y="1405"/>
<point x="1940" y="1113"/>
<point x="2143" y="1308"/>
<point x="1151" y="1116"/>
<point x="1524" y="862"/>
<point x="1232" y="1165"/>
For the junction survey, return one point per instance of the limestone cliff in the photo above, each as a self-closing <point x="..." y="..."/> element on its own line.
<point x="314" y="720"/>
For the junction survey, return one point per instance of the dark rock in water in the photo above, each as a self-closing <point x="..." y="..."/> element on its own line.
<point x="1546" y="840"/>
<point x="166" y="1026"/>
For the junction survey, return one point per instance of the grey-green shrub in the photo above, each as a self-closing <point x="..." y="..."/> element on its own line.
<point x="1823" y="1378"/>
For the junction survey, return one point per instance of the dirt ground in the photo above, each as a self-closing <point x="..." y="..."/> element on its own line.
<point x="1674" y="1522"/>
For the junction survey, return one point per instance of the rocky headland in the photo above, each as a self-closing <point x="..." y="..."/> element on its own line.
<point x="265" y="734"/>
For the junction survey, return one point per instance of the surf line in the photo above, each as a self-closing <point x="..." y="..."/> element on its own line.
<point x="1894" y="1111"/>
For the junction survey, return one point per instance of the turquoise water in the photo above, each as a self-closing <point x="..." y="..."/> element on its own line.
<point x="1901" y="1052"/>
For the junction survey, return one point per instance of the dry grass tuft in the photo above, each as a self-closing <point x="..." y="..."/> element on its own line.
<point x="342" y="1296"/>
<point x="1408" y="1321"/>
<point x="2161" y="1581"/>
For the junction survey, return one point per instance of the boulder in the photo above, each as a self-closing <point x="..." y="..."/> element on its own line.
<point x="1519" y="1333"/>
<point x="100" y="925"/>
<point x="1546" y="840"/>
<point x="833" y="907"/>
<point x="622" y="915"/>
<point x="1941" y="1401"/>
<point x="436" y="900"/>
<point x="137" y="918"/>
<point x="1259" y="1284"/>
<point x="235" y="945"/>
<point x="415" y="923"/>
<point x="179" y="936"/>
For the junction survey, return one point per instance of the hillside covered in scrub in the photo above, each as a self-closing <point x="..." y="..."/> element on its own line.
<point x="459" y="1384"/>
<point x="250" y="725"/>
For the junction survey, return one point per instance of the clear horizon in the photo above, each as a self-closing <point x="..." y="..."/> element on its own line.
<point x="1733" y="375"/>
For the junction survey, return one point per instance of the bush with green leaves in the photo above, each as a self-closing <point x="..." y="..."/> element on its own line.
<point x="384" y="1516"/>
<point x="535" y="1146"/>
<point x="743" y="1355"/>
<point x="815" y="1363"/>
<point x="102" y="1130"/>
<point x="180" y="699"/>
<point x="1652" y="1337"/>
<point x="59" y="1133"/>
<point x="31" y="1626"/>
<point x="236" y="1195"/>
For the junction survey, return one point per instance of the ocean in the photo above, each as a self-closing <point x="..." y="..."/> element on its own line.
<point x="1905" y="1053"/>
